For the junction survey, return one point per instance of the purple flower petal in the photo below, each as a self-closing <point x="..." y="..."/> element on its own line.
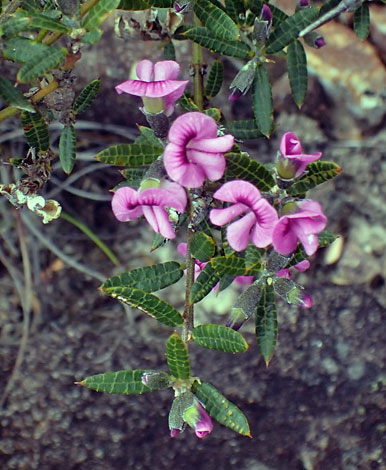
<point x="144" y="70"/>
<point x="238" y="232"/>
<point x="285" y="273"/>
<point x="238" y="191"/>
<point x="125" y="204"/>
<point x="166" y="70"/>
<point x="192" y="126"/>
<point x="302" y="265"/>
<point x="179" y="169"/>
<point x="290" y="144"/>
<point x="283" y="239"/>
<point x="214" y="145"/>
<point x="224" y="216"/>
<point x="212" y="164"/>
<point x="309" y="241"/>
<point x="266" y="219"/>
<point x="158" y="219"/>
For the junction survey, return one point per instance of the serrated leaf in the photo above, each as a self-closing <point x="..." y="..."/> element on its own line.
<point x="220" y="408"/>
<point x="214" y="80"/>
<point x="123" y="382"/>
<point x="241" y="166"/>
<point x="216" y="20"/>
<point x="244" y="130"/>
<point x="13" y="97"/>
<point x="99" y="13"/>
<point x="203" y="246"/>
<point x="44" y="22"/>
<point x="41" y="63"/>
<point x="67" y="149"/>
<point x="233" y="265"/>
<point x="206" y="38"/>
<point x="130" y="154"/>
<point x="262" y="101"/>
<point x="205" y="282"/>
<point x="220" y="338"/>
<point x="133" y="5"/>
<point x="235" y="9"/>
<point x="297" y="71"/>
<point x="316" y="173"/>
<point x="177" y="357"/>
<point x="148" y="303"/>
<point x="266" y="323"/>
<point x="290" y="28"/>
<point x="35" y="130"/>
<point x="148" y="278"/>
<point x="86" y="96"/>
<point x="21" y="49"/>
<point x="362" y="21"/>
<point x="134" y="176"/>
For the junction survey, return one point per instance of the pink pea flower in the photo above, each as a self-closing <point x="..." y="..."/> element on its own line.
<point x="194" y="151"/>
<point x="156" y="81"/>
<point x="259" y="217"/>
<point x="302" y="225"/>
<point x="198" y="419"/>
<point x="292" y="162"/>
<point x="301" y="266"/>
<point x="129" y="204"/>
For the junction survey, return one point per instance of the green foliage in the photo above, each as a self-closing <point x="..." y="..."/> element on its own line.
<point x="241" y="166"/>
<point x="123" y="382"/>
<point x="187" y="104"/>
<point x="177" y="357"/>
<point x="235" y="9"/>
<point x="253" y="255"/>
<point x="169" y="51"/>
<point x="316" y="173"/>
<point x="99" y="13"/>
<point x="214" y="113"/>
<point x="41" y="63"/>
<point x="297" y="71"/>
<point x="86" y="96"/>
<point x="134" y="176"/>
<point x="133" y="5"/>
<point x="42" y="21"/>
<point x="219" y="337"/>
<point x="205" y="282"/>
<point x="130" y="154"/>
<point x="22" y="49"/>
<point x="203" y="246"/>
<point x="35" y="130"/>
<point x="13" y="97"/>
<point x="215" y="79"/>
<point x="216" y="20"/>
<point x="228" y="265"/>
<point x="244" y="130"/>
<point x="362" y="21"/>
<point x="67" y="149"/>
<point x="327" y="6"/>
<point x="266" y="323"/>
<point x="262" y="101"/>
<point x="220" y="408"/>
<point x="14" y="26"/>
<point x="278" y="16"/>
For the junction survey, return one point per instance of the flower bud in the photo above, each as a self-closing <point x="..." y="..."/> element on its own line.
<point x="314" y="39"/>
<point x="245" y="306"/>
<point x="291" y="292"/>
<point x="183" y="6"/>
<point x="262" y="26"/>
<point x="156" y="380"/>
<point x="302" y="4"/>
<point x="276" y="261"/>
<point x="158" y="121"/>
<point x="243" y="81"/>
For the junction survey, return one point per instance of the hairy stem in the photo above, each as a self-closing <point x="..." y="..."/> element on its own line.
<point x="197" y="63"/>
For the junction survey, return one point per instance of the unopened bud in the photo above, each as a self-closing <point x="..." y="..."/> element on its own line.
<point x="156" y="380"/>
<point x="302" y="4"/>
<point x="262" y="26"/>
<point x="243" y="81"/>
<point x="276" y="261"/>
<point x="245" y="306"/>
<point x="314" y="39"/>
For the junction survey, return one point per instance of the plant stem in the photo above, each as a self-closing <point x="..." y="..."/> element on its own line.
<point x="197" y="63"/>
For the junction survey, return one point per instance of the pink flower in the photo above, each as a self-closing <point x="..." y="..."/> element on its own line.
<point x="303" y="225"/>
<point x="259" y="217"/>
<point x="198" y="419"/>
<point x="292" y="162"/>
<point x="129" y="204"/>
<point x="198" y="265"/>
<point x="194" y="151"/>
<point x="156" y="81"/>
<point x="301" y="266"/>
<point x="306" y="301"/>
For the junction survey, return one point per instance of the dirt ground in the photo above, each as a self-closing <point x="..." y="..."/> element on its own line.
<point x="320" y="404"/>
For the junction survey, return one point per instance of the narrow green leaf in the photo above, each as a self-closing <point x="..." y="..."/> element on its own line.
<point x="67" y="149"/>
<point x="266" y="323"/>
<point x="206" y="38"/>
<point x="41" y="63"/>
<point x="244" y="130"/>
<point x="316" y="173"/>
<point x="35" y="130"/>
<point x="134" y="176"/>
<point x="236" y="10"/>
<point x="233" y="265"/>
<point x="13" y="97"/>
<point x="133" y="5"/>
<point x="147" y="137"/>
<point x="130" y="154"/>
<point x="99" y="13"/>
<point x="92" y="37"/>
<point x="297" y="71"/>
<point x="241" y="166"/>
<point x="123" y="382"/>
<point x="177" y="357"/>
<point x="219" y="337"/>
<point x="148" y="303"/>
<point x="148" y="278"/>
<point x="216" y="20"/>
<point x="262" y="101"/>
<point x="14" y="26"/>
<point x="215" y="78"/>
<point x="220" y="408"/>
<point x="21" y="49"/>
<point x="205" y="282"/>
<point x="42" y="21"/>
<point x="289" y="29"/>
<point x="362" y="21"/>
<point x="203" y="246"/>
<point x="86" y="96"/>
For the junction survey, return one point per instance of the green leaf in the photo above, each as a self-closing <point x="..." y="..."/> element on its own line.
<point x="169" y="51"/>
<point x="21" y="49"/>
<point x="86" y="96"/>
<point x="134" y="176"/>
<point x="42" y="21"/>
<point x="67" y="149"/>
<point x="228" y="265"/>
<point x="362" y="21"/>
<point x="244" y="130"/>
<point x="241" y="166"/>
<point x="13" y="97"/>
<point x="123" y="382"/>
<point x="214" y="113"/>
<point x="253" y="255"/>
<point x="215" y="78"/>
<point x="278" y="16"/>
<point x="177" y="357"/>
<point x="148" y="278"/>
<point x="92" y="37"/>
<point x="187" y="103"/>
<point x="327" y="6"/>
<point x="316" y="173"/>
<point x="41" y="63"/>
<point x="206" y="38"/>
<point x="148" y="303"/>
<point x="14" y="26"/>
<point x="130" y="154"/>
<point x="99" y="13"/>
<point x="220" y="408"/>
<point x="266" y="323"/>
<point x="235" y="9"/>
<point x="297" y="71"/>
<point x="147" y="137"/>
<point x="216" y="20"/>
<point x="219" y="337"/>
<point x="35" y="130"/>
<point x="262" y="101"/>
<point x="203" y="246"/>
<point x="289" y="29"/>
<point x="161" y="3"/>
<point x="133" y="5"/>
<point x="205" y="282"/>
